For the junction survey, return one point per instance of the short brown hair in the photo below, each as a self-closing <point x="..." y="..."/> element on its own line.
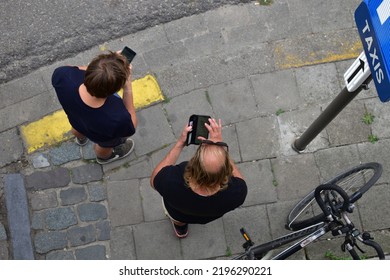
<point x="106" y="74"/>
<point x="196" y="170"/>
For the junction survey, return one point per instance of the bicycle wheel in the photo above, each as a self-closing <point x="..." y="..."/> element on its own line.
<point x="355" y="182"/>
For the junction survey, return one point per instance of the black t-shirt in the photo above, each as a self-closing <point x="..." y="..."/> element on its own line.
<point x="186" y="206"/>
<point x="110" y="121"/>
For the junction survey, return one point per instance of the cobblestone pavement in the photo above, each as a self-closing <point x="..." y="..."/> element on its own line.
<point x="267" y="72"/>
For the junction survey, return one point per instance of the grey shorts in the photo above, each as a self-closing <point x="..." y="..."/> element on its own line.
<point x="167" y="214"/>
<point x="112" y="143"/>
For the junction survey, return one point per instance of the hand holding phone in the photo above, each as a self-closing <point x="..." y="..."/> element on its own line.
<point x="198" y="129"/>
<point x="128" y="53"/>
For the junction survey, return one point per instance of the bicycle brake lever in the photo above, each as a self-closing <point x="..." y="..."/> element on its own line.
<point x="349" y="243"/>
<point x="357" y="246"/>
<point x="355" y="234"/>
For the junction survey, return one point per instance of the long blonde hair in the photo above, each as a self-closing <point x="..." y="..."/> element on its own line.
<point x="197" y="171"/>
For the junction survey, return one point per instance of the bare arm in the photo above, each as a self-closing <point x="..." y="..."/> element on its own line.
<point x="236" y="172"/>
<point x="128" y="99"/>
<point x="173" y="154"/>
<point x="215" y="131"/>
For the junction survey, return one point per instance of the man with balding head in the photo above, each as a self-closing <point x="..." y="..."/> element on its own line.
<point x="202" y="189"/>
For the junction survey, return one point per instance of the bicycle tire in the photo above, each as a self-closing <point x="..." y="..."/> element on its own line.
<point x="355" y="182"/>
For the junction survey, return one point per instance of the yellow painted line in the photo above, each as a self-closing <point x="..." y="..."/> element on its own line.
<point x="146" y="91"/>
<point x="55" y="128"/>
<point x="46" y="131"/>
<point x="287" y="57"/>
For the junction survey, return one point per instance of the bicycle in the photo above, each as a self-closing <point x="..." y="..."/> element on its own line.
<point x="323" y="210"/>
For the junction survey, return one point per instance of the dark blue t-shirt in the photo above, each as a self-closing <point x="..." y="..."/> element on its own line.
<point x="110" y="121"/>
<point x="186" y="206"/>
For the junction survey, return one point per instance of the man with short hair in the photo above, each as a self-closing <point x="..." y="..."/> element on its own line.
<point x="202" y="189"/>
<point x="95" y="111"/>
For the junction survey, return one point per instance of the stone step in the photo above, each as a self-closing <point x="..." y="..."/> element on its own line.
<point x="18" y="217"/>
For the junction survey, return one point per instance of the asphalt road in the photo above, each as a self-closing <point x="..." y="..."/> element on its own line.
<point x="40" y="32"/>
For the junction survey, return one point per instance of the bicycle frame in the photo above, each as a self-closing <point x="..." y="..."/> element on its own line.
<point x="307" y="236"/>
<point x="302" y="243"/>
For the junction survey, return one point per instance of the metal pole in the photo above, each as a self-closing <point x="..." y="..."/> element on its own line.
<point x="333" y="109"/>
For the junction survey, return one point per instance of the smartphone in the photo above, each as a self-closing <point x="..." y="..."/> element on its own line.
<point x="198" y="129"/>
<point x="128" y="53"/>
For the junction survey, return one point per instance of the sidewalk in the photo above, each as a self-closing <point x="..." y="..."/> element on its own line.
<point x="266" y="71"/>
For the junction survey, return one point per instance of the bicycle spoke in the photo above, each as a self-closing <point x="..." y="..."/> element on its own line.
<point x="358" y="179"/>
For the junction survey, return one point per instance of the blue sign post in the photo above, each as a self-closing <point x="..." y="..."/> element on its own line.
<point x="373" y="22"/>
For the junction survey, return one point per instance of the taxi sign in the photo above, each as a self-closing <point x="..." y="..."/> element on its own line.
<point x="372" y="19"/>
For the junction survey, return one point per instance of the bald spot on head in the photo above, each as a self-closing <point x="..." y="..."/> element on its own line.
<point x="213" y="158"/>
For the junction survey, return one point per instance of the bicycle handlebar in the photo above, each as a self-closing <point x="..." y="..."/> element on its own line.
<point x="377" y="248"/>
<point x="321" y="202"/>
<point x="333" y="209"/>
<point x="344" y="207"/>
